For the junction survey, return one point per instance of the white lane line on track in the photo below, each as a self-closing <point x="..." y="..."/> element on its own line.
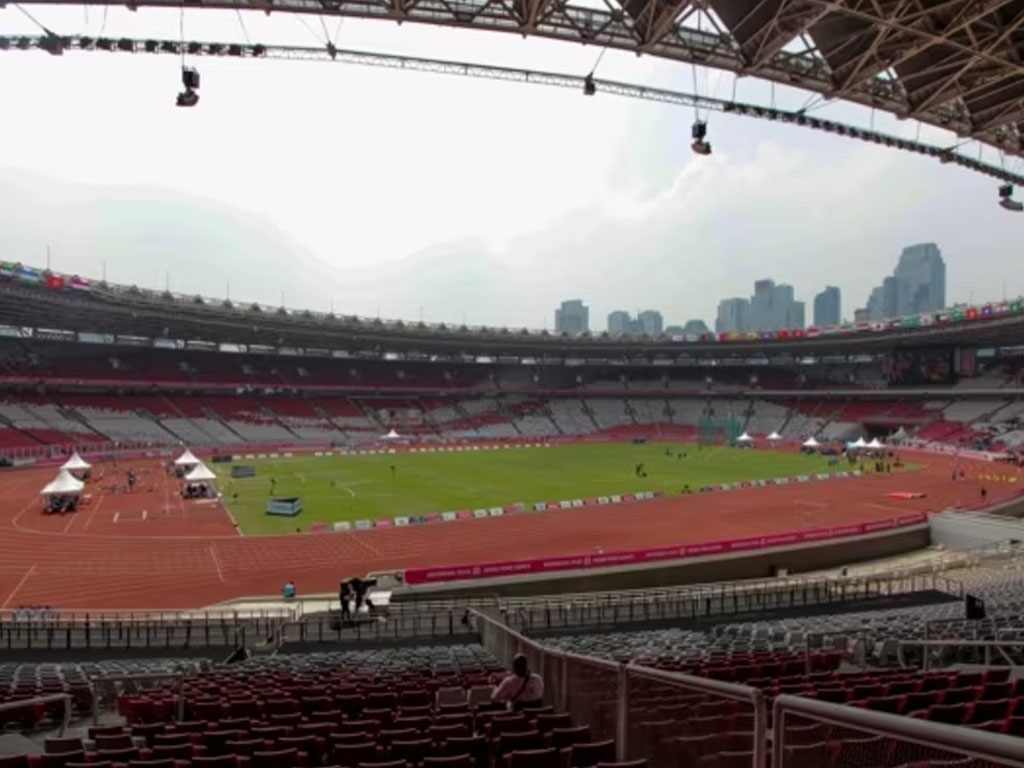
<point x="817" y="504"/>
<point x="216" y="563"/>
<point x="18" y="586"/>
<point x="888" y="508"/>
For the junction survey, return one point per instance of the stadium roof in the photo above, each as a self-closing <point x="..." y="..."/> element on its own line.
<point x="956" y="64"/>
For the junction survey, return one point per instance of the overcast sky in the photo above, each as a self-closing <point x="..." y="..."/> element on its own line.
<point x="404" y="194"/>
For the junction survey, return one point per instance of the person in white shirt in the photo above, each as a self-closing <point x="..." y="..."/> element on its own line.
<point x="522" y="688"/>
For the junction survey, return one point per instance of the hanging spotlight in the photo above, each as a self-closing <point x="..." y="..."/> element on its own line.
<point x="190" y="96"/>
<point x="589" y="89"/>
<point x="698" y="133"/>
<point x="1006" y="199"/>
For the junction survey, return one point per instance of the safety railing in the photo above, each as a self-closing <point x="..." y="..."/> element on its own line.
<point x="647" y="713"/>
<point x="107" y="689"/>
<point x="136" y="629"/>
<point x="938" y="654"/>
<point x="385" y="626"/>
<point x="855" y="645"/>
<point x="808" y="732"/>
<point x="44" y="614"/>
<point x="31" y="706"/>
<point x="709" y="600"/>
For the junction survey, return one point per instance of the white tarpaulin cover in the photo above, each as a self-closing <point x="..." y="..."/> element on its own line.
<point x="810" y="442"/>
<point x="200" y="474"/>
<point x="75" y="462"/>
<point x="186" y="460"/>
<point x="64" y="483"/>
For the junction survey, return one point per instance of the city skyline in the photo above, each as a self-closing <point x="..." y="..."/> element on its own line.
<point x="917" y="285"/>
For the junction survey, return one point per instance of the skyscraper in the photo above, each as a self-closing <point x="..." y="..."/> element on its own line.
<point x="573" y="317"/>
<point x="733" y="316"/>
<point x="827" y="308"/>
<point x="923" y="273"/>
<point x="619" y="323"/>
<point x="650" y="321"/>
<point x="773" y="307"/>
<point x="761" y="306"/>
<point x="917" y="285"/>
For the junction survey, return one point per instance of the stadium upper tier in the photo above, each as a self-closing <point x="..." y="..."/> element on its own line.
<point x="68" y="308"/>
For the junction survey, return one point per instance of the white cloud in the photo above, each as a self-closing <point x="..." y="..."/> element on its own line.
<point x="396" y="191"/>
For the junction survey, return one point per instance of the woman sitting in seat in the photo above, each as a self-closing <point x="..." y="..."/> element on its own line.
<point x="521" y="689"/>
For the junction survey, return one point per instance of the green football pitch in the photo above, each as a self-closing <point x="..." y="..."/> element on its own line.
<point x="363" y="487"/>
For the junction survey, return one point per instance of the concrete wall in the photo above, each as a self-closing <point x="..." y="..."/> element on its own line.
<point x="797" y="559"/>
<point x="961" y="530"/>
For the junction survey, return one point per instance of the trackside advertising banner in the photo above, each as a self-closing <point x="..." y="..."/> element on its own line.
<point x="638" y="557"/>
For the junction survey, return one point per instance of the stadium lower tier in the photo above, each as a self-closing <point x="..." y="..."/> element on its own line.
<point x="32" y="424"/>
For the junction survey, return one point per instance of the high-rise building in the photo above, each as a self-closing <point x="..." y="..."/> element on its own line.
<point x="827" y="307"/>
<point x="619" y="323"/>
<point x="761" y="306"/>
<point x="796" y="315"/>
<point x="773" y="307"/>
<point x="923" y="273"/>
<point x="650" y="321"/>
<point x="733" y="316"/>
<point x="917" y="285"/>
<point x="573" y="318"/>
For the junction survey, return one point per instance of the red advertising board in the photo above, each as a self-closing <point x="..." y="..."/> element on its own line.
<point x="442" y="574"/>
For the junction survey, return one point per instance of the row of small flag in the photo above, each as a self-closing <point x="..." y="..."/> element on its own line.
<point x="31" y="276"/>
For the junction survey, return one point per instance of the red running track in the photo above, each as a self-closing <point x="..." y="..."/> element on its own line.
<point x="151" y="549"/>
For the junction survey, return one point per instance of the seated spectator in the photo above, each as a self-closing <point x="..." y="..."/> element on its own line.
<point x="522" y="688"/>
<point x="288" y="592"/>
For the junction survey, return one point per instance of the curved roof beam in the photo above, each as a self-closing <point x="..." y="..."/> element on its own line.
<point x="57" y="45"/>
<point x="926" y="60"/>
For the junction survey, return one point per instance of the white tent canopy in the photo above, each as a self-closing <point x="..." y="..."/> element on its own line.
<point x="201" y="474"/>
<point x="187" y="459"/>
<point x="744" y="438"/>
<point x="859" y="443"/>
<point x="810" y="442"/>
<point x="76" y="463"/>
<point x="899" y="434"/>
<point x="774" y="436"/>
<point x="391" y="435"/>
<point x="64" y="484"/>
<point x="875" y="443"/>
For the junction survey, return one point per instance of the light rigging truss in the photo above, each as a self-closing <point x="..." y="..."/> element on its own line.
<point x="954" y="64"/>
<point x="56" y="45"/>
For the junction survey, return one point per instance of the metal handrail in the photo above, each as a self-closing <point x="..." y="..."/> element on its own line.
<point x="984" y="745"/>
<point x="746" y="694"/>
<point x="988" y="645"/>
<point x="9" y="706"/>
<point x="177" y="677"/>
<point x="624" y="672"/>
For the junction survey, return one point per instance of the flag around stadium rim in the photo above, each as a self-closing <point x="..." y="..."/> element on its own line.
<point x="437" y="575"/>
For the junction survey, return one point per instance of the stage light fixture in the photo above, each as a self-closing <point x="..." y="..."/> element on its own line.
<point x="1006" y="199"/>
<point x="699" y="132"/>
<point x="190" y="96"/>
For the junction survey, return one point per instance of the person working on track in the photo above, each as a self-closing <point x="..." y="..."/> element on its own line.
<point x="345" y="597"/>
